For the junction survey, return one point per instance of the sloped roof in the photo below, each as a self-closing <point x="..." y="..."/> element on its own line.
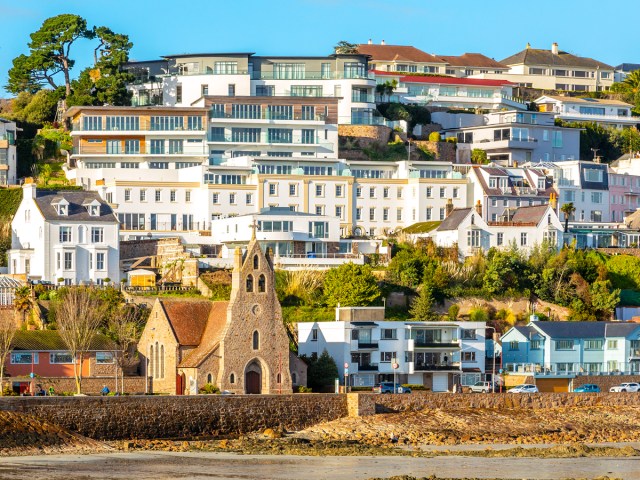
<point x="455" y="218"/>
<point x="472" y="60"/>
<point x="535" y="56"/>
<point x="633" y="221"/>
<point x="45" y="200"/>
<point x="526" y="331"/>
<point x="533" y="214"/>
<point x="586" y="100"/>
<point x="211" y="337"/>
<point x="397" y="53"/>
<point x="50" y="340"/>
<point x="586" y="329"/>
<point x="188" y="319"/>
<point x="9" y="282"/>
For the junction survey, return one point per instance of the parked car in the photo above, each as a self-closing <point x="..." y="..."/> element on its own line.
<point x="626" y="387"/>
<point x="587" y="387"/>
<point x="483" y="387"/>
<point x="387" y="387"/>
<point x="524" y="388"/>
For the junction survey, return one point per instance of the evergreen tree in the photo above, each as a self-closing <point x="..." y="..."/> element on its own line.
<point x="350" y="285"/>
<point x="321" y="372"/>
<point x="422" y="306"/>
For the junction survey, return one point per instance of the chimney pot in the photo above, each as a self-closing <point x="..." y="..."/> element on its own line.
<point x="370" y="42"/>
<point x="479" y="208"/>
<point x="448" y="207"/>
<point x="382" y="43"/>
<point x="554" y="48"/>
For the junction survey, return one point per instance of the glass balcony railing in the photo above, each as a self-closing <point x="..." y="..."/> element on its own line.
<point x="142" y="125"/>
<point x="266" y="115"/>
<point x="266" y="139"/>
<point x="362" y="98"/>
<point x="313" y="75"/>
<point x="198" y="150"/>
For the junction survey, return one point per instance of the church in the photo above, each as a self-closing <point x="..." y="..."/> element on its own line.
<point x="240" y="346"/>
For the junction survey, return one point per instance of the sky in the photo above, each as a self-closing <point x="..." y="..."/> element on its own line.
<point x="496" y="28"/>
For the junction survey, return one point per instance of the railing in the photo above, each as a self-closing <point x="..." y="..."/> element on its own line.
<point x="370" y="367"/>
<point x="321" y="255"/>
<point x="142" y="126"/>
<point x="143" y="150"/>
<point x="362" y="98"/>
<point x="627" y="118"/>
<point x="439" y="366"/>
<point x="312" y="75"/>
<point x="512" y="224"/>
<point x="267" y="139"/>
<point x="167" y="226"/>
<point x="513" y="99"/>
<point x="526" y="191"/>
<point x="266" y="115"/>
<point x="367" y="346"/>
<point x="424" y="344"/>
<point x="575" y="369"/>
<point x="159" y="288"/>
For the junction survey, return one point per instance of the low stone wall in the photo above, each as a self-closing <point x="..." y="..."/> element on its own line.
<point x="365" y="134"/>
<point x="605" y="382"/>
<point x="90" y="385"/>
<point x="620" y="251"/>
<point x="420" y="400"/>
<point x="112" y="418"/>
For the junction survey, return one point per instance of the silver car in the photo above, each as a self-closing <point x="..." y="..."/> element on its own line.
<point x="524" y="388"/>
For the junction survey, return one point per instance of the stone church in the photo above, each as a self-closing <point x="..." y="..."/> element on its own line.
<point x="240" y="346"/>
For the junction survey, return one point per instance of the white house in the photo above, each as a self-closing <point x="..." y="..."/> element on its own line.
<point x="70" y="235"/>
<point x="464" y="228"/>
<point x="433" y="354"/>
<point x="526" y="227"/>
<point x="605" y="112"/>
<point x="8" y="155"/>
<point x="586" y="185"/>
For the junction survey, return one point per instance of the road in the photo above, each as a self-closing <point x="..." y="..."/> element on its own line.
<point x="169" y="465"/>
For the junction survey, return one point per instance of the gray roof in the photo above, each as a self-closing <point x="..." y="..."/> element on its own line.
<point x="586" y="329"/>
<point x="77" y="212"/>
<point x="533" y="214"/>
<point x="455" y="218"/>
<point x="527" y="331"/>
<point x="283" y="211"/>
<point x="535" y="56"/>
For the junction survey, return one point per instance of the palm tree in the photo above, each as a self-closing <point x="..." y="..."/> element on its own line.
<point x="568" y="209"/>
<point x="22" y="301"/>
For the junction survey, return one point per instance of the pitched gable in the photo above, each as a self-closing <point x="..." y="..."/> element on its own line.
<point x="187" y="318"/>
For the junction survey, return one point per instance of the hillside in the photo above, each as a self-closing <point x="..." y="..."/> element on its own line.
<point x="10" y="199"/>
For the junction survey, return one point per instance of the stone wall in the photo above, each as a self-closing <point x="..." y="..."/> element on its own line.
<point x="420" y="400"/>
<point x="605" y="382"/>
<point x="365" y="134"/>
<point x="443" y="151"/>
<point x="90" y="385"/>
<point x="112" y="418"/>
<point x="620" y="251"/>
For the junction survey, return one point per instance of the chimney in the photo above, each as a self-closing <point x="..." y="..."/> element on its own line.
<point x="554" y="48"/>
<point x="528" y="45"/>
<point x="448" y="208"/>
<point x="479" y="208"/>
<point x="29" y="188"/>
<point x="553" y="200"/>
<point x="370" y="42"/>
<point x="382" y="43"/>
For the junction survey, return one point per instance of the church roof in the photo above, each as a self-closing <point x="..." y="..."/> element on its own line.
<point x="188" y="319"/>
<point x="211" y="336"/>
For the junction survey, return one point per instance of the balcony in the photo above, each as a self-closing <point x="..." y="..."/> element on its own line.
<point x="439" y="345"/>
<point x="313" y="75"/>
<point x="101" y="149"/>
<point x="368" y="367"/>
<point x="266" y="115"/>
<point x="591" y="117"/>
<point x="265" y="139"/>
<point x="426" y="367"/>
<point x="362" y="98"/>
<point x="143" y="125"/>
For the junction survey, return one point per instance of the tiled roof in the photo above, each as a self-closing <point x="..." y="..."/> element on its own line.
<point x="534" y="56"/>
<point x="533" y="214"/>
<point x="453" y="221"/>
<point x="586" y="329"/>
<point x="472" y="60"/>
<point x="397" y="53"/>
<point x="50" y="340"/>
<point x="76" y="212"/>
<point x="188" y="319"/>
<point x="211" y="337"/>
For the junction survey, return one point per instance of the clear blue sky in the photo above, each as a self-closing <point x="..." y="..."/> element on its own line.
<point x="496" y="28"/>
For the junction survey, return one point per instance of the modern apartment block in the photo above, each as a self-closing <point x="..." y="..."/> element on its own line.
<point x="8" y="158"/>
<point x="180" y="80"/>
<point x="513" y="136"/>
<point x="68" y="235"/>
<point x="555" y="70"/>
<point x="586" y="185"/>
<point x="605" y="112"/>
<point x="433" y="354"/>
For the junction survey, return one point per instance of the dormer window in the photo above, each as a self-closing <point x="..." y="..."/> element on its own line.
<point x="61" y="206"/>
<point x="94" y="210"/>
<point x="63" y="209"/>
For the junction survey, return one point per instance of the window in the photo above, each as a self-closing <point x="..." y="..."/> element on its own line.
<point x="429" y="192"/>
<point x="215" y="198"/>
<point x="399" y="193"/>
<point x="564" y="344"/>
<point x="443" y="192"/>
<point x="68" y="260"/>
<point x="468" y="356"/>
<point x="279" y="135"/>
<point x="593" y="344"/>
<point x="172" y="196"/>
<point x="535" y="344"/>
<point x="178" y="93"/>
<point x="256" y="340"/>
<point x="158" y="195"/>
<point x="359" y="192"/>
<point x="556" y="138"/>
<point x="104" y="357"/>
<point x="428" y="213"/>
<point x="204" y="90"/>
<point x="338" y="190"/>
<point x="262" y="284"/>
<point x="372" y="192"/>
<point x="232" y="198"/>
<point x="225" y="68"/>
<point x="319" y="190"/>
<point x="359" y="213"/>
<point x="19" y="358"/>
<point x="372" y="214"/>
<point x="100" y="261"/>
<point x="514" y="345"/>
<point x="388" y="334"/>
<point x="596" y="197"/>
<point x="386" y="357"/>
<point x="97" y="235"/>
<point x="612" y="344"/>
<point x="443" y="213"/>
<point x="385" y="214"/>
<point x="249" y="198"/>
<point x="143" y="195"/>
<point x="231" y="90"/>
<point x="523" y="239"/>
<point x="59" y="357"/>
<point x="339" y="212"/>
<point x="159" y="165"/>
<point x="314" y="334"/>
<point x="385" y="192"/>
<point x="468" y="334"/>
<point x="536" y="71"/>
<point x="500" y="238"/>
<point x="456" y="193"/>
<point x="65" y="234"/>
<point x="473" y="238"/>
<point x="399" y="214"/>
<point x="308" y="136"/>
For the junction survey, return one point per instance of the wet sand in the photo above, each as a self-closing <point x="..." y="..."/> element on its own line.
<point x="203" y="465"/>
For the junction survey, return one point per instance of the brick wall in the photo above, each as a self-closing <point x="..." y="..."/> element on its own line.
<point x="179" y="417"/>
<point x="90" y="386"/>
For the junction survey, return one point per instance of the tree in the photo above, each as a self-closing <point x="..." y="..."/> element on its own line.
<point x="78" y="317"/>
<point x="22" y="301"/>
<point x="506" y="269"/>
<point x="604" y="299"/>
<point x="568" y="209"/>
<point x="422" y="307"/>
<point x="350" y="285"/>
<point x="125" y="328"/>
<point x="8" y="329"/>
<point x="321" y="371"/>
<point x="49" y="54"/>
<point x="345" y="48"/>
<point x="479" y="156"/>
<point x="630" y="90"/>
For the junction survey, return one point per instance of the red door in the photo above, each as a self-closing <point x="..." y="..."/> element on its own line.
<point x="180" y="384"/>
<point x="253" y="383"/>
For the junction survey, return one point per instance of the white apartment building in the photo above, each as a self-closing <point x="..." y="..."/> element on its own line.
<point x="180" y="80"/>
<point x="586" y="185"/>
<point x="433" y="354"/>
<point x="608" y="113"/>
<point x="624" y="69"/>
<point x="555" y="70"/>
<point x="68" y="235"/>
<point x="8" y="155"/>
<point x="515" y="136"/>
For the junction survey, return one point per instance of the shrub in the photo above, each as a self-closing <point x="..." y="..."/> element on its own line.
<point x="415" y="386"/>
<point x="479" y="156"/>
<point x="435" y="137"/>
<point x="303" y="389"/>
<point x="454" y="310"/>
<point x="209" y="389"/>
<point x="478" y="314"/>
